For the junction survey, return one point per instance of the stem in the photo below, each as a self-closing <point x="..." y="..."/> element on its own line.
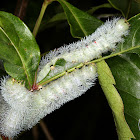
<point x="37" y="25"/>
<point x="51" y="79"/>
<point x="128" y="10"/>
<point x="112" y="55"/>
<point x="35" y="133"/>
<point x="45" y="130"/>
<point x="21" y="7"/>
<point x="45" y="80"/>
<point x="38" y="22"/>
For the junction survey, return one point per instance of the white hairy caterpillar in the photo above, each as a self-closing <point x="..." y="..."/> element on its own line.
<point x="21" y="109"/>
<point x="102" y="40"/>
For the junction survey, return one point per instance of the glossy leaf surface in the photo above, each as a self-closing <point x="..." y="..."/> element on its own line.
<point x="19" y="50"/>
<point x="81" y="23"/>
<point x="128" y="8"/>
<point x="126" y="71"/>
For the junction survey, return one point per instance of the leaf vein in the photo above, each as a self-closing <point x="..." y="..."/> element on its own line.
<point x="131" y="63"/>
<point x="128" y="93"/>
<point x="131" y="116"/>
<point x="133" y="42"/>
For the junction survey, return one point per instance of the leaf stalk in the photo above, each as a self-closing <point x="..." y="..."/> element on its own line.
<point x="38" y="22"/>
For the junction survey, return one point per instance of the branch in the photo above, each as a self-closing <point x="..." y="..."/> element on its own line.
<point x="21" y="7"/>
<point x="45" y="130"/>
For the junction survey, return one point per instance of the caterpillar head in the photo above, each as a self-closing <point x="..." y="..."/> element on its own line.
<point x="122" y="25"/>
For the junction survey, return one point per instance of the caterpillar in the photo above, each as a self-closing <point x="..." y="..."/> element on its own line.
<point x="21" y="109"/>
<point x="102" y="40"/>
<point x="24" y="108"/>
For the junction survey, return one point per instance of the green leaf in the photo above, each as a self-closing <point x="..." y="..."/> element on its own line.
<point x="107" y="83"/>
<point x="19" y="50"/>
<point x="123" y="68"/>
<point x="80" y="27"/>
<point x="81" y="24"/>
<point x="126" y="69"/>
<point x="60" y="62"/>
<point x="128" y="8"/>
<point x="60" y="17"/>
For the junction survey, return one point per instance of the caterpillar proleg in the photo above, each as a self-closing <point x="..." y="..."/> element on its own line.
<point x="21" y="109"/>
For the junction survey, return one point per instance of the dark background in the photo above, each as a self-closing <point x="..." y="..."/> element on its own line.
<point x="88" y="117"/>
